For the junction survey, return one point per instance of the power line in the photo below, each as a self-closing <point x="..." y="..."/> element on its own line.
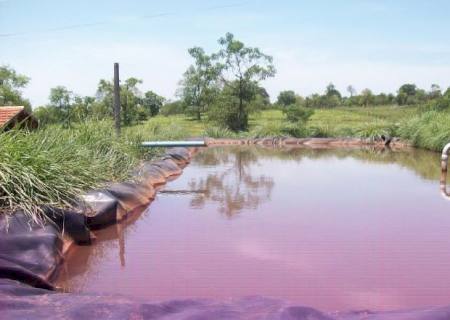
<point x="106" y="22"/>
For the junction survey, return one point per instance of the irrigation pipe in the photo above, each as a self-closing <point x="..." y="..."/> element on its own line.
<point x="444" y="167"/>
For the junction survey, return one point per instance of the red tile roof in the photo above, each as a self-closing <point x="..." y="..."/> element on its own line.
<point x="8" y="113"/>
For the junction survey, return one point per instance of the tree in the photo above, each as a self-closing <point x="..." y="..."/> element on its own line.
<point x="11" y="84"/>
<point x="199" y="82"/>
<point x="61" y="100"/>
<point x="406" y="94"/>
<point x="331" y="91"/>
<point x="367" y="97"/>
<point x="241" y="70"/>
<point x="286" y="98"/>
<point x="435" y="91"/>
<point x="351" y="90"/>
<point x="81" y="108"/>
<point x="130" y="101"/>
<point x="152" y="103"/>
<point x="262" y="98"/>
<point x="172" y="107"/>
<point x="105" y="98"/>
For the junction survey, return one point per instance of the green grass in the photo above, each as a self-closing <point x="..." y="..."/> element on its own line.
<point x="54" y="166"/>
<point x="339" y="122"/>
<point x="430" y="130"/>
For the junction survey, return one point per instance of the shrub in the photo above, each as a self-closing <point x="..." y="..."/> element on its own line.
<point x="172" y="108"/>
<point x="296" y="113"/>
<point x="218" y="132"/>
<point x="430" y="130"/>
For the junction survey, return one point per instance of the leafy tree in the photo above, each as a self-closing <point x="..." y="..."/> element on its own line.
<point x="332" y="91"/>
<point x="46" y="115"/>
<point x="435" y="91"/>
<point x="130" y="102"/>
<point x="351" y="90"/>
<point x="241" y="70"/>
<point x="152" y="103"/>
<point x="11" y="84"/>
<point x="367" y="97"/>
<point x="61" y="101"/>
<point x="172" y="108"/>
<point x="105" y="98"/>
<point x="262" y="99"/>
<point x="406" y="94"/>
<point x="199" y="82"/>
<point x="286" y="98"/>
<point x="82" y="108"/>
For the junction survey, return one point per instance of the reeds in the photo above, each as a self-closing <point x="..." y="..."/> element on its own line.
<point x="54" y="166"/>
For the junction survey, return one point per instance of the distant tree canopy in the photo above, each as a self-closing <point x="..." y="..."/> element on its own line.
<point x="11" y="84"/>
<point x="65" y="107"/>
<point x="286" y="98"/>
<point x="200" y="82"/>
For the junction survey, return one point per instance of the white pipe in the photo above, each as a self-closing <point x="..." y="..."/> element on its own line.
<point x="444" y="165"/>
<point x="444" y="158"/>
<point x="174" y="144"/>
<point x="444" y="191"/>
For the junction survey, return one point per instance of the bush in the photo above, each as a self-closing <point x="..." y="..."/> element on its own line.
<point x="376" y="130"/>
<point x="430" y="130"/>
<point x="172" y="108"/>
<point x="218" y="132"/>
<point x="296" y="113"/>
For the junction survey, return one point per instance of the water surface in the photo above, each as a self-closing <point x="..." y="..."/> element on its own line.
<point x="331" y="229"/>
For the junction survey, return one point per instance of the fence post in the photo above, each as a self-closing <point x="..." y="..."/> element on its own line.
<point x="116" y="99"/>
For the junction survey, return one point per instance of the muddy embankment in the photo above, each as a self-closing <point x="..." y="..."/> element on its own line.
<point x="31" y="254"/>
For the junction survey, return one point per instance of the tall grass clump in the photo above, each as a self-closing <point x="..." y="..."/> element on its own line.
<point x="430" y="130"/>
<point x="376" y="129"/>
<point x="218" y="132"/>
<point x="53" y="166"/>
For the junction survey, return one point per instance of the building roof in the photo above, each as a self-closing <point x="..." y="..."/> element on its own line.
<point x="10" y="115"/>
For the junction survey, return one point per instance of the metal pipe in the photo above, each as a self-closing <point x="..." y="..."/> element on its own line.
<point x="444" y="158"/>
<point x="444" y="167"/>
<point x="444" y="191"/>
<point x="174" y="144"/>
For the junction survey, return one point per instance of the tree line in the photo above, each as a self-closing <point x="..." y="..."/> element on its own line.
<point x="407" y="94"/>
<point x="65" y="107"/>
<point x="223" y="87"/>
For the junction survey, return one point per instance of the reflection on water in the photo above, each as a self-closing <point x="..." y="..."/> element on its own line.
<point x="333" y="229"/>
<point x="233" y="185"/>
<point x="444" y="190"/>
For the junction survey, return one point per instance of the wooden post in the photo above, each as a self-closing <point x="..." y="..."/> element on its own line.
<point x="116" y="99"/>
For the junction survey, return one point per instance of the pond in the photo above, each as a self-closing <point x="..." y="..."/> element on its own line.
<point x="333" y="229"/>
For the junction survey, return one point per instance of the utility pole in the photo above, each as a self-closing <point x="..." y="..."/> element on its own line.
<point x="116" y="99"/>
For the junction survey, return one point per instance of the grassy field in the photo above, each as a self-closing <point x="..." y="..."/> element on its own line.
<point x="337" y="122"/>
<point x="52" y="166"/>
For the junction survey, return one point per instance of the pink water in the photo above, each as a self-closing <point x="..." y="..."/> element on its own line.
<point x="335" y="230"/>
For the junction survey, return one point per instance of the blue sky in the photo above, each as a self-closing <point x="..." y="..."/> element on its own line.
<point x="366" y="43"/>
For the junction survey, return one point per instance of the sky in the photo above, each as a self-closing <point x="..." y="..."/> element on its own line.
<point x="366" y="43"/>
